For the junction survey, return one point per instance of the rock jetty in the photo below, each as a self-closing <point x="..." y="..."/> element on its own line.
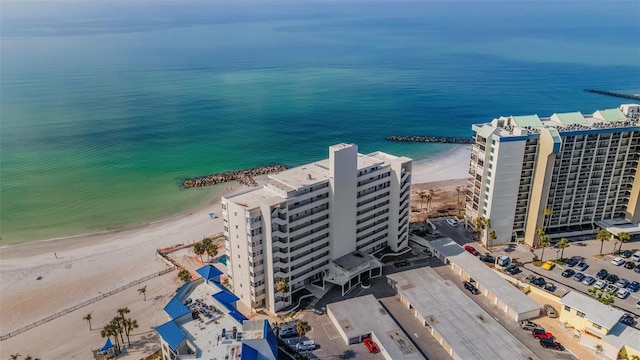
<point x="244" y="177"/>
<point x="432" y="139"/>
<point x="611" y="93"/>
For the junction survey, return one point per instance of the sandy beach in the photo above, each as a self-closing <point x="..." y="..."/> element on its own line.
<point x="77" y="269"/>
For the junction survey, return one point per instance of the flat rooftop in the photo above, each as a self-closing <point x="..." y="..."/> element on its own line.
<point x="594" y="310"/>
<point x="469" y="330"/>
<point x="364" y="315"/>
<point x="205" y="331"/>
<point x="618" y="226"/>
<point x="484" y="276"/>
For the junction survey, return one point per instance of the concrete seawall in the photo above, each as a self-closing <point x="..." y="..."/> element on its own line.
<point x="432" y="139"/>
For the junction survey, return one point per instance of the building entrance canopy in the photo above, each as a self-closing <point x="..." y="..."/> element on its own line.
<point x="349" y="270"/>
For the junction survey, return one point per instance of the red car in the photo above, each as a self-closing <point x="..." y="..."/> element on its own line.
<point x="541" y="334"/>
<point x="371" y="346"/>
<point x="471" y="249"/>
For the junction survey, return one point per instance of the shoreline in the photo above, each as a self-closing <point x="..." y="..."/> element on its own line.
<point x="235" y="186"/>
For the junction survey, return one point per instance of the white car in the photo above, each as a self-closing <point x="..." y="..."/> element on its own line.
<point x="600" y="284"/>
<point x="452" y="222"/>
<point x="623" y="293"/>
<point x="306" y="345"/>
<point x="617" y="261"/>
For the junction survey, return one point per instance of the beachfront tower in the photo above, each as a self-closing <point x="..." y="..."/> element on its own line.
<point x="316" y="226"/>
<point x="568" y="174"/>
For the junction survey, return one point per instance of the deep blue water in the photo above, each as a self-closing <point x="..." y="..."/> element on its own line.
<point x="106" y="106"/>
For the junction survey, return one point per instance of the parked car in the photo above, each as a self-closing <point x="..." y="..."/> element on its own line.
<point x="600" y="284"/>
<point x="617" y="261"/>
<point x="602" y="274"/>
<point x="627" y="319"/>
<point x="568" y="273"/>
<point x="629" y="265"/>
<point x="512" y="269"/>
<point x="452" y="222"/>
<point x="626" y="254"/>
<point x="469" y="286"/>
<point x="548" y="265"/>
<point x="550" y="310"/>
<point x="638" y="304"/>
<point x="541" y="282"/>
<point x="623" y="293"/>
<point x="288" y="332"/>
<point x="371" y="346"/>
<point x="550" y="287"/>
<point x="541" y="334"/>
<point x="401" y="263"/>
<point x="578" y="277"/>
<point x="487" y="258"/>
<point x="572" y="262"/>
<point x="589" y="280"/>
<point x="306" y="345"/>
<point x="612" y="278"/>
<point x="530" y="278"/>
<point x="550" y="343"/>
<point x="636" y="256"/>
<point x="528" y="325"/>
<point x="622" y="283"/>
<point x="637" y="269"/>
<point x="471" y="249"/>
<point x="633" y="286"/>
<point x="582" y="266"/>
<point x="614" y="289"/>
<point x="503" y="260"/>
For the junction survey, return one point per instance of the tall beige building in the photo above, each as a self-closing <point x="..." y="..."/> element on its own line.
<point x="583" y="167"/>
<point x="316" y="224"/>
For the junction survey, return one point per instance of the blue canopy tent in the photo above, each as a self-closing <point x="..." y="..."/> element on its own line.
<point x="108" y="345"/>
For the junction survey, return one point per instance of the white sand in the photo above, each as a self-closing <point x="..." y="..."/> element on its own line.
<point x="87" y="266"/>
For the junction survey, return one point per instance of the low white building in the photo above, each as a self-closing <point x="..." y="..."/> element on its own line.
<point x="316" y="224"/>
<point x="504" y="295"/>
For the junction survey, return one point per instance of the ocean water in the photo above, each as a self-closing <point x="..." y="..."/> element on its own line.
<point x="106" y="106"/>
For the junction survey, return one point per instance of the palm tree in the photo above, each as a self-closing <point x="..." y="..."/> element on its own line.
<point x="623" y="237"/>
<point x="199" y="249"/>
<point x="547" y="214"/>
<point x="302" y="327"/>
<point x="422" y="195"/>
<point x="563" y="244"/>
<point x="143" y="291"/>
<point x="282" y="287"/>
<point x="111" y="330"/>
<point x="458" y="202"/>
<point x="88" y="318"/>
<point x="207" y="242"/>
<point x="545" y="241"/>
<point x="432" y="193"/>
<point x="15" y="356"/>
<point x="128" y="325"/>
<point x="540" y="232"/>
<point x="184" y="275"/>
<point x="212" y="250"/>
<point x="480" y="223"/>
<point x="492" y="236"/>
<point x="28" y="357"/>
<point x="603" y="235"/>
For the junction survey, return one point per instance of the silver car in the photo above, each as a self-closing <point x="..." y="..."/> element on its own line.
<point x="589" y="280"/>
<point x="600" y="284"/>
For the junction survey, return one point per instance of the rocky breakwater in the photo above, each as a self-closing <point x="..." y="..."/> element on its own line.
<point x="432" y="139"/>
<point x="244" y="177"/>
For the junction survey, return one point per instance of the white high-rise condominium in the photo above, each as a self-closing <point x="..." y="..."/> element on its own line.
<point x="564" y="173"/>
<point x="317" y="223"/>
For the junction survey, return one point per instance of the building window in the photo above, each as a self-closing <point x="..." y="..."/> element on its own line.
<point x="581" y="314"/>
<point x="567" y="308"/>
<point x="597" y="326"/>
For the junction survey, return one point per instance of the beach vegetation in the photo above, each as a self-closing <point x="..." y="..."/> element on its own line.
<point x="422" y="195"/>
<point x="603" y="235"/>
<point x="545" y="241"/>
<point x="184" y="275"/>
<point x="492" y="236"/>
<point x="88" y="318"/>
<point x="604" y="296"/>
<point x="547" y="215"/>
<point x="480" y="224"/>
<point x="212" y="249"/>
<point x="302" y="327"/>
<point x="282" y="287"/>
<point x="143" y="291"/>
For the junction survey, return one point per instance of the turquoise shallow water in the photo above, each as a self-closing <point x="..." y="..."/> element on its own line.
<point x="106" y="106"/>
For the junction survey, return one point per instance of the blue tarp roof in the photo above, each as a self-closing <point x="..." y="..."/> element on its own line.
<point x="108" y="345"/>
<point x="171" y="333"/>
<point x="249" y="353"/>
<point x="225" y="297"/>
<point x="209" y="272"/>
<point x="175" y="308"/>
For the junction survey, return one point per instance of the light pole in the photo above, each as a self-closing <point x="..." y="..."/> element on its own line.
<point x="557" y="254"/>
